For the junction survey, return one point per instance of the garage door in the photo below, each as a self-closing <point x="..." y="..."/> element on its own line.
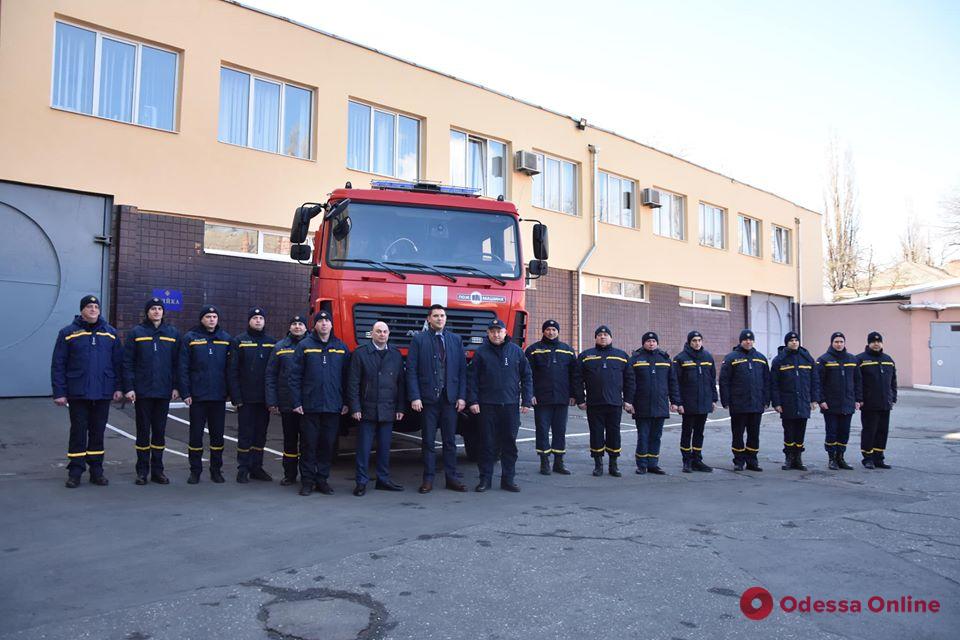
<point x="51" y="259"/>
<point x="770" y="319"/>
<point x="945" y="354"/>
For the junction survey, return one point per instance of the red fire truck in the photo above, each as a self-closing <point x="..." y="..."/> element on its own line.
<point x="389" y="252"/>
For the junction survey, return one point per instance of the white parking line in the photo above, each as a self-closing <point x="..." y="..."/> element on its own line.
<point x="225" y="436"/>
<point x="134" y="438"/>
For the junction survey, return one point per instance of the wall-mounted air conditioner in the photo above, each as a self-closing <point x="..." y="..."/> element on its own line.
<point x="650" y="198"/>
<point x="528" y="163"/>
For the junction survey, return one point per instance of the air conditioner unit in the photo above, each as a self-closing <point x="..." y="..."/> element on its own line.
<point x="650" y="198"/>
<point x="528" y="163"/>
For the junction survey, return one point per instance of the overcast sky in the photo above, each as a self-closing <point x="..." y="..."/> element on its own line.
<point x="750" y="89"/>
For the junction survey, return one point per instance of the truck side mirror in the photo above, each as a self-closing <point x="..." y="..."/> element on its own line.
<point x="537" y="268"/>
<point x="300" y="252"/>
<point x="301" y="221"/>
<point x="342" y="229"/>
<point x="541" y="243"/>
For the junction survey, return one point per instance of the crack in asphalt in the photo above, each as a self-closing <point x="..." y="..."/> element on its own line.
<point x="558" y="534"/>
<point x="923" y="536"/>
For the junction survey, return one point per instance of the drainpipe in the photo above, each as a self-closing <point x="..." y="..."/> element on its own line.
<point x="595" y="212"/>
<point x="799" y="282"/>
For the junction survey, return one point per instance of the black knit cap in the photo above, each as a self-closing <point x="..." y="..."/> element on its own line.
<point x="85" y="300"/>
<point x="550" y="323"/>
<point x="603" y="329"/>
<point x="321" y="315"/>
<point x="746" y="334"/>
<point x="298" y="319"/>
<point x="208" y="309"/>
<point x="256" y="311"/>
<point x="837" y="334"/>
<point x="694" y="334"/>
<point x="153" y="302"/>
<point x="791" y="335"/>
<point x="874" y="336"/>
<point x="649" y="335"/>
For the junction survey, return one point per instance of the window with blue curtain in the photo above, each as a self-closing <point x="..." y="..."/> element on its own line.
<point x="556" y="188"/>
<point x="120" y="65"/>
<point x="234" y="103"/>
<point x="382" y="142"/>
<point x="296" y="121"/>
<point x="478" y="163"/>
<point x="266" y="115"/>
<point x="358" y="137"/>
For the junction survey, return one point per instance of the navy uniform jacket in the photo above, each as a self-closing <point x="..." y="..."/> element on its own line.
<point x="794" y="383"/>
<point x="247" y="369"/>
<point x="318" y="374"/>
<point x="697" y="379"/>
<point x="840" y="384"/>
<point x="150" y="360"/>
<point x="878" y="375"/>
<point x="655" y="384"/>
<point x="499" y="374"/>
<point x="606" y="377"/>
<point x="423" y="368"/>
<point x="555" y="371"/>
<point x="203" y="357"/>
<point x="745" y="381"/>
<point x="87" y="361"/>
<point x="277" y="378"/>
<point x="376" y="387"/>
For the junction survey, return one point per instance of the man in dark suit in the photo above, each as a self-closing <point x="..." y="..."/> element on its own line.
<point x="437" y="387"/>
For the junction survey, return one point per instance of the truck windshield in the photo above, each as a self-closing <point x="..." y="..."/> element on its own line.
<point x="484" y="241"/>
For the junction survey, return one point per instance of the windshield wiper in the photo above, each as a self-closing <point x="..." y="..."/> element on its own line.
<point x="373" y="262"/>
<point x="420" y="265"/>
<point x="473" y="270"/>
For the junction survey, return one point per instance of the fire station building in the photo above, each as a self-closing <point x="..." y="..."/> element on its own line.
<point x="160" y="147"/>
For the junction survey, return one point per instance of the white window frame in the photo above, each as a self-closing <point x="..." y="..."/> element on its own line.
<point x="709" y="294"/>
<point x="786" y="245"/>
<point x="759" y="236"/>
<point x="705" y="208"/>
<point x="135" y="108"/>
<point x="260" y="254"/>
<point x="282" y="107"/>
<point x="576" y="188"/>
<point x="605" y="177"/>
<point x="396" y="140"/>
<point x="601" y="279"/>
<point x="485" y="141"/>
<point x="683" y="218"/>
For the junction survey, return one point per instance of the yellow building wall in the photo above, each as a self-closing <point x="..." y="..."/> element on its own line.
<point x="189" y="172"/>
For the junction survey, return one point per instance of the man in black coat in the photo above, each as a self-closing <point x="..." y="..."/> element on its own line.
<point x="697" y="379"/>
<point x="437" y="387"/>
<point x="745" y="391"/>
<point x="794" y="388"/>
<point x="376" y="396"/>
<point x="655" y="393"/>
<point x="149" y="376"/>
<point x="279" y="399"/>
<point x="555" y="379"/>
<point x="878" y="374"/>
<point x="840" y="394"/>
<point x="499" y="388"/>
<point x="247" y="376"/>
<point x="607" y="389"/>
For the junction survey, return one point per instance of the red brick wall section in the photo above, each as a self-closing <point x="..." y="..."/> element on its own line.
<point x="554" y="298"/>
<point x="163" y="251"/>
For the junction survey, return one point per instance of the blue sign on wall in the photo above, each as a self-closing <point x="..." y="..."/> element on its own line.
<point x="172" y="299"/>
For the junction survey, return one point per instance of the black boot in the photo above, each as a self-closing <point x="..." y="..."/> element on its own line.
<point x="843" y="463"/>
<point x="544" y="464"/>
<point x="753" y="465"/>
<point x="868" y="464"/>
<point x="687" y="465"/>
<point x="832" y="465"/>
<point x="558" y="465"/>
<point x="243" y="477"/>
<point x="788" y="461"/>
<point x="614" y="470"/>
<point x="798" y="461"/>
<point x="698" y="465"/>
<point x="194" y="477"/>
<point x="257" y="473"/>
<point x="879" y="463"/>
<point x="597" y="466"/>
<point x="217" y="476"/>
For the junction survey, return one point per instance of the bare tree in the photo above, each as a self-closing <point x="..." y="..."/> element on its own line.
<point x="842" y="219"/>
<point x="951" y="219"/>
<point x="915" y="239"/>
<point x="866" y="274"/>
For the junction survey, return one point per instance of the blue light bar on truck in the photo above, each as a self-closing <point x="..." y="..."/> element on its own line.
<point x="425" y="187"/>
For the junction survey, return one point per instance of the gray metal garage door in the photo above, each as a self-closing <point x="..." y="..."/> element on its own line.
<point x="51" y="259"/>
<point x="945" y="354"/>
<point x="770" y="319"/>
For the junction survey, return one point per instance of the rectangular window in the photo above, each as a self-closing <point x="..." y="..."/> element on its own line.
<point x="478" y="163"/>
<point x="669" y="220"/>
<point x="616" y="200"/>
<point x="556" y="188"/>
<point x="383" y="142"/>
<point x="781" y="244"/>
<point x="708" y="299"/>
<point x="749" y="236"/>
<point x="611" y="287"/>
<point x="245" y="242"/>
<point x="713" y="224"/>
<point x="111" y="77"/>
<point x="264" y="114"/>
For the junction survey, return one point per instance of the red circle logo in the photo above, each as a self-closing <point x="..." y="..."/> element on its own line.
<point x="749" y="599"/>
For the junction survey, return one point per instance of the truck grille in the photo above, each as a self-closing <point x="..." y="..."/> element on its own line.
<point x="404" y="322"/>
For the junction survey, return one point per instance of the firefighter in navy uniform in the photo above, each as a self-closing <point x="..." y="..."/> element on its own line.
<point x="249" y="354"/>
<point x="878" y="375"/>
<point x="202" y="378"/>
<point x="555" y="380"/>
<point x="279" y="399"/>
<point x="499" y="388"/>
<point x="607" y="388"/>
<point x="745" y="391"/>
<point x="840" y="394"/>
<point x="655" y="394"/>
<point x="318" y="380"/>
<point x="149" y="379"/>
<point x="794" y="389"/>
<point x="86" y="372"/>
<point x="697" y="380"/>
